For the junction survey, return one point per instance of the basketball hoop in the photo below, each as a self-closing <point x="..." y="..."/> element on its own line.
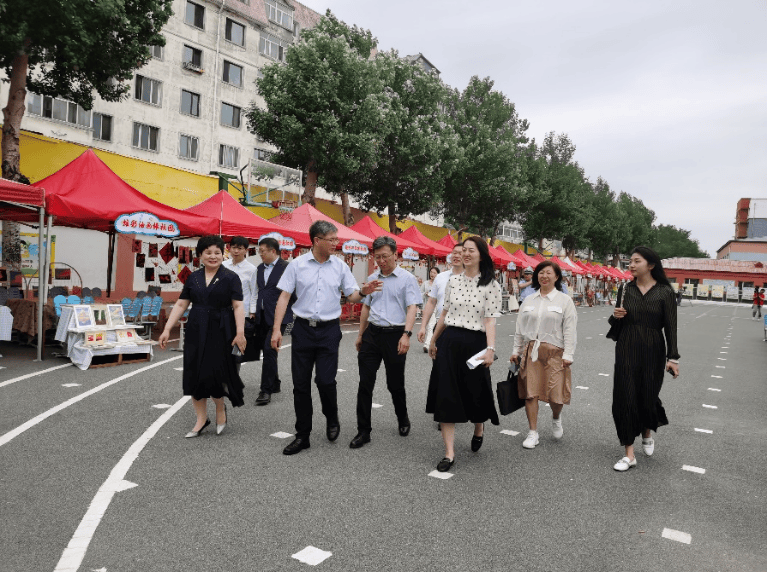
<point x="286" y="209"/>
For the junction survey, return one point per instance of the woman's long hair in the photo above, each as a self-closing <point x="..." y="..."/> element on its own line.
<point x="486" y="267"/>
<point x="657" y="272"/>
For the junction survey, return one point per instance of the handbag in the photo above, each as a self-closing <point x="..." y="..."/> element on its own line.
<point x="508" y="392"/>
<point x="616" y="325"/>
<point x="254" y="340"/>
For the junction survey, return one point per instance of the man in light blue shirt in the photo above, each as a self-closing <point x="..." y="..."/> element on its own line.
<point x="526" y="285"/>
<point x="318" y="279"/>
<point x="386" y="324"/>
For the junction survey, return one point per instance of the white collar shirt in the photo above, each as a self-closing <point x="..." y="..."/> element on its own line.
<point x="389" y="306"/>
<point x="247" y="273"/>
<point x="548" y="319"/>
<point x="438" y="286"/>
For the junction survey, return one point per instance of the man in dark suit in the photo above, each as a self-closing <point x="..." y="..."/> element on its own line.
<point x="266" y="277"/>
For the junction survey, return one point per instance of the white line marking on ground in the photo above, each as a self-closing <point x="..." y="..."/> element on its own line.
<point x="547" y="405"/>
<point x="693" y="469"/>
<point x="677" y="535"/>
<point x="71" y="384"/>
<point x="580" y="387"/>
<point x="510" y="432"/>
<point x="722" y="352"/>
<point x="714" y="389"/>
<point x="342" y="370"/>
<point x="720" y="367"/>
<point x="601" y="334"/>
<point x="437" y="475"/>
<point x="377" y="405"/>
<point x="725" y="347"/>
<point x="161" y="406"/>
<point x="43" y="416"/>
<point x="717" y="376"/>
<point x="722" y="358"/>
<point x="710" y="406"/>
<point x="74" y="553"/>
<point x="589" y="338"/>
<point x="281" y="435"/>
<point x="15" y="379"/>
<point x="709" y="431"/>
<point x="312" y="556"/>
<point x="179" y="368"/>
<point x="605" y="374"/>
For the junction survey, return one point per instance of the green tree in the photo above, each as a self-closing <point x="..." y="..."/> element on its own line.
<point x="634" y="224"/>
<point x="488" y="181"/>
<point x="326" y="110"/>
<point x="671" y="242"/>
<point x="71" y="50"/>
<point x="419" y="151"/>
<point x="602" y="234"/>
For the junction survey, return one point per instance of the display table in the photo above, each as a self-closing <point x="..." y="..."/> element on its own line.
<point x="83" y="355"/>
<point x="25" y="316"/>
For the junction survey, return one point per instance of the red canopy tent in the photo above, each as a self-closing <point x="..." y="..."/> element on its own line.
<point x="233" y="218"/>
<point x="447" y="241"/>
<point x="526" y="260"/>
<point x="570" y="267"/>
<point x="297" y="224"/>
<point x="370" y="229"/>
<point x="501" y="254"/>
<point x="538" y="256"/>
<point x="427" y="246"/>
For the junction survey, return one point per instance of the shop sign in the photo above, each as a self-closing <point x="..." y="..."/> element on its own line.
<point x="511" y="266"/>
<point x="286" y="243"/>
<point x="410" y="254"/>
<point x="354" y="247"/>
<point x="146" y="223"/>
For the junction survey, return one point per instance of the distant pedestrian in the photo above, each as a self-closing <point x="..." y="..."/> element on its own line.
<point x="544" y="345"/>
<point x="432" y="310"/>
<point x="756" y="309"/>
<point x="526" y="284"/>
<point x="426" y="285"/>
<point x="466" y="327"/>
<point x="642" y="355"/>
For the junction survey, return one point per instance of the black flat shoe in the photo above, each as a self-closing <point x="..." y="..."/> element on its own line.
<point x="476" y="442"/>
<point x="359" y="440"/>
<point x="263" y="398"/>
<point x="193" y="434"/>
<point x="333" y="431"/>
<point x="404" y="429"/>
<point x="445" y="465"/>
<point x="296" y="446"/>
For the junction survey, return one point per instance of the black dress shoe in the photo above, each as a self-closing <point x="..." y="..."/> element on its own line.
<point x="445" y="465"/>
<point x="404" y="429"/>
<point x="263" y="398"/>
<point x="476" y="442"/>
<point x="333" y="431"/>
<point x="359" y="440"/>
<point x="296" y="446"/>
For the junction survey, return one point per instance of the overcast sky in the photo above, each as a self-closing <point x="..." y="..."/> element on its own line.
<point x="666" y="100"/>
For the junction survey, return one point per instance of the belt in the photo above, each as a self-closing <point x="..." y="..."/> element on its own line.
<point x="316" y="323"/>
<point x="386" y="328"/>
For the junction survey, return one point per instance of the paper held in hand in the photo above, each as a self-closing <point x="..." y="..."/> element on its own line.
<point x="478" y="359"/>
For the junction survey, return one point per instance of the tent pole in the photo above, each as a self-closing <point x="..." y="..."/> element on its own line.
<point x="42" y="281"/>
<point x="111" y="255"/>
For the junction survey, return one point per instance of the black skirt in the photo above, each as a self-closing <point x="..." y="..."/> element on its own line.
<point x="458" y="394"/>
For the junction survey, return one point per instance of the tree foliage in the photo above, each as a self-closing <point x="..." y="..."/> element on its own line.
<point x="671" y="242"/>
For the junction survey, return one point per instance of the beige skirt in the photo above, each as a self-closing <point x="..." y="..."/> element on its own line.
<point x="547" y="379"/>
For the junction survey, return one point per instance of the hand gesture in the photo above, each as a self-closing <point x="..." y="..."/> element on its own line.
<point x="358" y="343"/>
<point x="240" y="341"/>
<point x="514" y="358"/>
<point x="422" y="334"/>
<point x="619" y="313"/>
<point x="489" y="358"/>
<point x="673" y="368"/>
<point x="276" y="339"/>
<point x="433" y="350"/>
<point x="404" y="344"/>
<point x="163" y="339"/>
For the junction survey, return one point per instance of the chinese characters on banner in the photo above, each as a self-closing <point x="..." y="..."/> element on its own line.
<point x="146" y="223"/>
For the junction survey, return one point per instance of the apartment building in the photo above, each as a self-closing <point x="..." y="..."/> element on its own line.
<point x="186" y="107"/>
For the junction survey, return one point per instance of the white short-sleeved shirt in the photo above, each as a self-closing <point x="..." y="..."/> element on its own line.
<point x="247" y="273"/>
<point x="468" y="304"/>
<point x="438" y="289"/>
<point x="551" y="319"/>
<point x="389" y="306"/>
<point x="318" y="286"/>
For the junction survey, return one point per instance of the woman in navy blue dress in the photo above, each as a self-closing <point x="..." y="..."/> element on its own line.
<point x="216" y="324"/>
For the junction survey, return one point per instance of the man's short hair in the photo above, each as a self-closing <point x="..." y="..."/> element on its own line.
<point x="382" y="241"/>
<point x="320" y="229"/>
<point x="270" y="243"/>
<point x="239" y="241"/>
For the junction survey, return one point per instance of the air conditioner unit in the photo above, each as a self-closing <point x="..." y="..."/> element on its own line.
<point x="192" y="67"/>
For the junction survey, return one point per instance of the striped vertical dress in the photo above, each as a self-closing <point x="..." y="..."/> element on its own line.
<point x="640" y="359"/>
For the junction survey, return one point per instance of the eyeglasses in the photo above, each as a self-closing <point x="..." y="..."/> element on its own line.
<point x="331" y="240"/>
<point x="381" y="257"/>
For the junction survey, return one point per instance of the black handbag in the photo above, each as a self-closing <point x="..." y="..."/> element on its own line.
<point x="254" y="342"/>
<point x="508" y="393"/>
<point x="616" y="325"/>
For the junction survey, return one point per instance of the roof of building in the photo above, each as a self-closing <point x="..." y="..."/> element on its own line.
<point x="715" y="265"/>
<point x="304" y="15"/>
<point x="414" y="58"/>
<point x="256" y="11"/>
<point x="751" y="240"/>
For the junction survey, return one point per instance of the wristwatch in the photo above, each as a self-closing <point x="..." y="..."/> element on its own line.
<point x="408" y="333"/>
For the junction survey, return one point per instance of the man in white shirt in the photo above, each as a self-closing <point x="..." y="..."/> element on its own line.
<point x="238" y="263"/>
<point x="437" y="297"/>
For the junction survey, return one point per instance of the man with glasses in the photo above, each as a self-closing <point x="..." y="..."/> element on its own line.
<point x="437" y="297"/>
<point x="386" y="324"/>
<point x="317" y="278"/>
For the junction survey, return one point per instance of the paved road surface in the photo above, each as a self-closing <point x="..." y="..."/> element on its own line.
<point x="111" y="476"/>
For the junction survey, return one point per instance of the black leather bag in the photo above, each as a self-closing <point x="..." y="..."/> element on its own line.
<point x="254" y="342"/>
<point x="508" y="393"/>
<point x="616" y="325"/>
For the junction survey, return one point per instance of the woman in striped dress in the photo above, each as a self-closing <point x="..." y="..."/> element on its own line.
<point x="642" y="355"/>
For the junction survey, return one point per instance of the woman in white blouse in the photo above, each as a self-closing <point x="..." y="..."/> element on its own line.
<point x="545" y="344"/>
<point x="466" y="327"/>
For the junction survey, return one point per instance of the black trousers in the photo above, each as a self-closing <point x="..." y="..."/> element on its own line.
<point x="314" y="348"/>
<point x="380" y="345"/>
<point x="270" y="376"/>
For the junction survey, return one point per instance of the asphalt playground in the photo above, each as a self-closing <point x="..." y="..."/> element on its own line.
<point x="95" y="474"/>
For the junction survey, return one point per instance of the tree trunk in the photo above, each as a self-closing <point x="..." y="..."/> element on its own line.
<point x="461" y="230"/>
<point x="348" y="218"/>
<point x="392" y="219"/>
<point x="312" y="173"/>
<point x="11" y="169"/>
<point x="540" y="246"/>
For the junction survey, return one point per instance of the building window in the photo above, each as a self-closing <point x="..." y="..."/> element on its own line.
<point x="235" y="32"/>
<point x="190" y="103"/>
<point x="148" y="90"/>
<point x="262" y="154"/>
<point x="279" y="13"/>
<point x="157" y="52"/>
<point x="195" y="15"/>
<point x="270" y="46"/>
<point x="188" y="147"/>
<point x="192" y="56"/>
<point x="58" y="109"/>
<point x="232" y="74"/>
<point x="230" y="115"/>
<point x="146" y="137"/>
<point x="102" y="126"/>
<point x="228" y="157"/>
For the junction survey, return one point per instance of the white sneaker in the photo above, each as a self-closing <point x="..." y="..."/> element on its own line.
<point x="558" y="431"/>
<point x="625" y="464"/>
<point x="649" y="446"/>
<point x="531" y="440"/>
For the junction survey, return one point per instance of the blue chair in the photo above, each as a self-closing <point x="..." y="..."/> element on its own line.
<point x="126" y="302"/>
<point x="134" y="311"/>
<point x="150" y="314"/>
<point x="89" y="300"/>
<point x="146" y="307"/>
<point x="86" y="292"/>
<point x="73" y="299"/>
<point x="57" y="302"/>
